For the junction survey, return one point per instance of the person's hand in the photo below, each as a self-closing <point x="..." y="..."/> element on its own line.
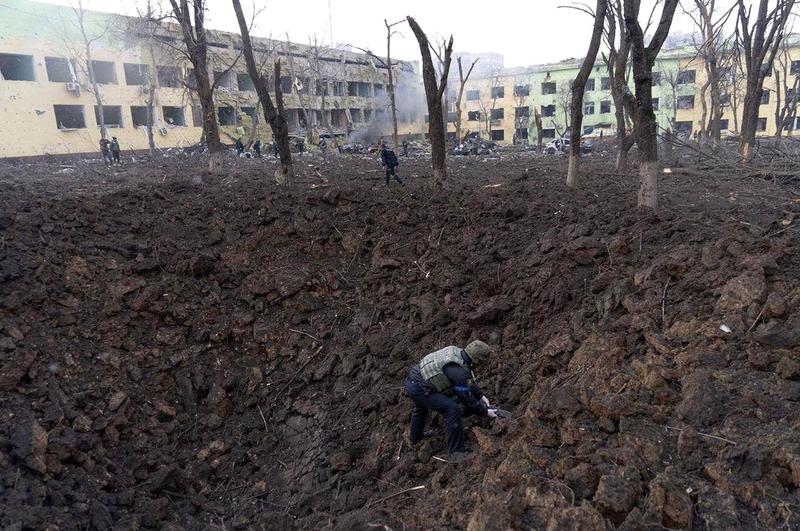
<point x="485" y="402"/>
<point x="492" y="413"/>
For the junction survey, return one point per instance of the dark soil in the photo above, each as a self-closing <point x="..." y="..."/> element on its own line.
<point x="187" y="351"/>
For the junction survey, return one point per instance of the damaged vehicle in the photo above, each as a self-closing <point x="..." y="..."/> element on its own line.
<point x="473" y="144"/>
<point x="561" y="145"/>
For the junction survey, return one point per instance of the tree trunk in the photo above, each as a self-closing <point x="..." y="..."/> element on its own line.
<point x="537" y="120"/>
<point x="643" y="57"/>
<point x="752" y="102"/>
<point x="98" y="99"/>
<point x="275" y="114"/>
<point x="433" y="95"/>
<point x="392" y="97"/>
<point x="578" y="90"/>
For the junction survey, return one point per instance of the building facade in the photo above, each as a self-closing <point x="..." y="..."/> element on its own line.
<point x="49" y="106"/>
<point x="501" y="105"/>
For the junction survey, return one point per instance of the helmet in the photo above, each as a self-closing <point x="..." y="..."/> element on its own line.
<point x="478" y="352"/>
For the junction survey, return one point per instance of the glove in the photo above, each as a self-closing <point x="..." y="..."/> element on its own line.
<point x="492" y="413"/>
<point x="485" y="402"/>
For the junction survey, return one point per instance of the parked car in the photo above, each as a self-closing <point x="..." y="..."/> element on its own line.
<point x="561" y="145"/>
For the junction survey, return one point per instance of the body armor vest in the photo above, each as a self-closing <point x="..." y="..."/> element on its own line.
<point x="433" y="364"/>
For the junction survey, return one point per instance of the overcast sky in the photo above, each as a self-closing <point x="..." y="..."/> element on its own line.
<point x="525" y="31"/>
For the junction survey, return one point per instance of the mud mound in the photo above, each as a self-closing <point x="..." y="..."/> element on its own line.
<point x="205" y="352"/>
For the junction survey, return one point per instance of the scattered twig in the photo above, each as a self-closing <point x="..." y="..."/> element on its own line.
<point x="303" y="333"/>
<point x="389" y="497"/>
<point x="704" y="435"/>
<point x="262" y="417"/>
<point x="758" y="317"/>
<point x="664" y="304"/>
<point x="440" y="459"/>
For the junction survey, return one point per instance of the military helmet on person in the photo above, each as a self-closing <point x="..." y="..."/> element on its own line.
<point x="478" y="352"/>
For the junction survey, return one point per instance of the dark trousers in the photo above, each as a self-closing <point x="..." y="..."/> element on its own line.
<point x="390" y="173"/>
<point x="115" y="155"/>
<point x="445" y="406"/>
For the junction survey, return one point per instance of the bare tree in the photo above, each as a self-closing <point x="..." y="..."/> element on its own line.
<point x="433" y="94"/>
<point x="389" y="65"/>
<point x="489" y="104"/>
<point x="786" y="85"/>
<point x="463" y="78"/>
<point x="196" y="42"/>
<point x="735" y="83"/>
<point x="83" y="56"/>
<point x="643" y="58"/>
<point x="301" y="85"/>
<point x="537" y="120"/>
<point x="578" y="89"/>
<point x="619" y="46"/>
<point x="760" y="42"/>
<point x="274" y="113"/>
<point x="712" y="50"/>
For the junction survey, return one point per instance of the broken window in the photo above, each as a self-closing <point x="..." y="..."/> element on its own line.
<point x="588" y="108"/>
<point x="69" y="116"/>
<point x="427" y="118"/>
<point x="795" y="68"/>
<point x="322" y="87"/>
<point x="548" y="133"/>
<point x="60" y="70"/>
<point x="112" y="115"/>
<point x="286" y="84"/>
<point x="223" y="79"/>
<point x="473" y="116"/>
<point x="367" y="115"/>
<point x="723" y="124"/>
<point x="380" y="91"/>
<point x="174" y="116"/>
<point x="169" y="76"/>
<point x="473" y="95"/>
<point x="356" y="116"/>
<point x="762" y="124"/>
<point x="249" y="111"/>
<point x="197" y="116"/>
<point x="226" y="115"/>
<point x="522" y="133"/>
<point x="656" y="102"/>
<point x="656" y="78"/>
<point x="764" y="96"/>
<point x="548" y="88"/>
<point x="724" y="99"/>
<point x="590" y="85"/>
<point x="339" y="88"/>
<point x="139" y="116"/>
<point x="245" y="83"/>
<point x="522" y="112"/>
<point x="605" y="107"/>
<point x="605" y="83"/>
<point x="548" y="110"/>
<point x="498" y="92"/>
<point x="498" y="134"/>
<point x="338" y="118"/>
<point x="15" y="67"/>
<point x="104" y="72"/>
<point x="521" y="91"/>
<point x="135" y="74"/>
<point x="685" y="102"/>
<point x="683" y="128"/>
<point x="685" y="77"/>
<point x="497" y="114"/>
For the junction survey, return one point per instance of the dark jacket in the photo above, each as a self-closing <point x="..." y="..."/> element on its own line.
<point x="464" y="387"/>
<point x="388" y="158"/>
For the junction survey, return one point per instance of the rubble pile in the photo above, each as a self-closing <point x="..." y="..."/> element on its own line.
<point x="187" y="353"/>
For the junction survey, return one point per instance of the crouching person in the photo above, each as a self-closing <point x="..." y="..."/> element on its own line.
<point x="433" y="382"/>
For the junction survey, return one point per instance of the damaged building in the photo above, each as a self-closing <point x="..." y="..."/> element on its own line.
<point x="51" y="107"/>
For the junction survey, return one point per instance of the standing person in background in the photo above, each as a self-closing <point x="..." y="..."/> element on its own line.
<point x="115" y="150"/>
<point x="257" y="148"/>
<point x="105" y="151"/>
